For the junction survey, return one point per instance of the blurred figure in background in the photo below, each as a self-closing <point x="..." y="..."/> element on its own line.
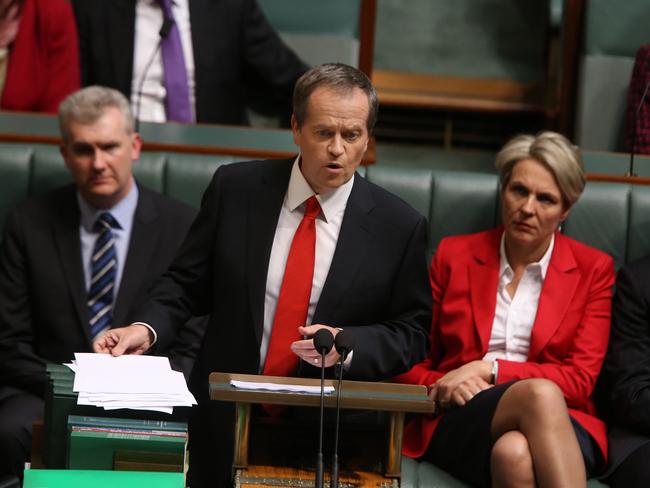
<point x="39" y="54"/>
<point x="637" y="136"/>
<point x="186" y="60"/>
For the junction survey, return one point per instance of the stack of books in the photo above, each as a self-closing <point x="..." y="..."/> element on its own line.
<point x="61" y="403"/>
<point x="126" y="444"/>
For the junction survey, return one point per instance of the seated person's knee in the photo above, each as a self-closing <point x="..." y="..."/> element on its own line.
<point x="511" y="450"/>
<point x="541" y="394"/>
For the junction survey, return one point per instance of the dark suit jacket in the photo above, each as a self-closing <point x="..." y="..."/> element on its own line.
<point x="377" y="287"/>
<point x="43" y="66"/>
<point x="43" y="311"/>
<point x="233" y="48"/>
<point x="624" y="392"/>
<point x="568" y="339"/>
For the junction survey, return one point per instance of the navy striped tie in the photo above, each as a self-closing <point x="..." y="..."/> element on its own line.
<point x="103" y="265"/>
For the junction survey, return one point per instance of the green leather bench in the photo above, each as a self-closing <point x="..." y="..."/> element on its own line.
<point x="614" y="217"/>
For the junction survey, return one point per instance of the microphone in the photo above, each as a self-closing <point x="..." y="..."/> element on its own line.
<point x="166" y="27"/>
<point x="323" y="342"/>
<point x="634" y="133"/>
<point x="163" y="33"/>
<point x="344" y="343"/>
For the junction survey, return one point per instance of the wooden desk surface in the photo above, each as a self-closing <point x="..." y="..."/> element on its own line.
<point x="355" y="395"/>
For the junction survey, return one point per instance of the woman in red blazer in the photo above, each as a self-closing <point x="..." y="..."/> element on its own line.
<point x="42" y="65"/>
<point x="520" y="329"/>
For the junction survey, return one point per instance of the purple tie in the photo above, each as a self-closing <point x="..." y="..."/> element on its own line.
<point x="177" y="102"/>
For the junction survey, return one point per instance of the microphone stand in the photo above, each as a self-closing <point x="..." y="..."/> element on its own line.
<point x="344" y="343"/>
<point x="334" y="475"/>
<point x="319" y="459"/>
<point x="636" y="129"/>
<point x="163" y="33"/>
<point x="323" y="342"/>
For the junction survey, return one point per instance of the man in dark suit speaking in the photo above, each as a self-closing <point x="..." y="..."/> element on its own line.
<point x="282" y="248"/>
<point x="76" y="260"/>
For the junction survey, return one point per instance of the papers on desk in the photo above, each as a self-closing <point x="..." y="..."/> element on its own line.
<point x="252" y="385"/>
<point x="135" y="382"/>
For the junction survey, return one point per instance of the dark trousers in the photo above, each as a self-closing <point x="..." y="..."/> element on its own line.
<point x="18" y="411"/>
<point x="634" y="471"/>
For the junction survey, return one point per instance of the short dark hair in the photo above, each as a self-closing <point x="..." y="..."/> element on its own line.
<point x="337" y="76"/>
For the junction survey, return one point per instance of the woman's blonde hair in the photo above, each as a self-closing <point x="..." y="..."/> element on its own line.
<point x="552" y="150"/>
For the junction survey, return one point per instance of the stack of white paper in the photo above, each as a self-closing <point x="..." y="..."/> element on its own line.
<point x="253" y="385"/>
<point x="135" y="382"/>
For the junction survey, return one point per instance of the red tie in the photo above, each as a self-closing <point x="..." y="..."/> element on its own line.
<point x="293" y="302"/>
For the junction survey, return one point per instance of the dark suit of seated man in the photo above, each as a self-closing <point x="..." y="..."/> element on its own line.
<point x="283" y="248"/>
<point x="78" y="259"/>
<point x="625" y="379"/>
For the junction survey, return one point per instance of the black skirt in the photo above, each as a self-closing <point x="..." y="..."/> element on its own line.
<point x="462" y="443"/>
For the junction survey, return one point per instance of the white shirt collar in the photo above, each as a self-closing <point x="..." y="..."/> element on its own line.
<point x="541" y="265"/>
<point x="330" y="203"/>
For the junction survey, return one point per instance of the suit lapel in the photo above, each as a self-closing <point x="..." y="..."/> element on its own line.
<point x="264" y="205"/>
<point x="145" y="234"/>
<point x="354" y="238"/>
<point x="202" y="18"/>
<point x="562" y="278"/>
<point x="484" y="276"/>
<point x="121" y="35"/>
<point x="68" y="246"/>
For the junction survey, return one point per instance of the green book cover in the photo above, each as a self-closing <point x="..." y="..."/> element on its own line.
<point x="125" y="423"/>
<point x="54" y="478"/>
<point x="94" y="448"/>
<point x="57" y="368"/>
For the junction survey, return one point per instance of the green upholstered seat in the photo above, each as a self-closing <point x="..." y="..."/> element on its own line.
<point x="187" y="175"/>
<point x="425" y="475"/>
<point x="462" y="204"/>
<point x="600" y="218"/>
<point x="614" y="217"/>
<point x="414" y="186"/>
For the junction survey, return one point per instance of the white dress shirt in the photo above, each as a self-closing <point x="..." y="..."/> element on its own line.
<point x="148" y="21"/>
<point x="514" y="316"/>
<point x="328" y="226"/>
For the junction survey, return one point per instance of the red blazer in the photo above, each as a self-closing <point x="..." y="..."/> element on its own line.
<point x="43" y="66"/>
<point x="569" y="336"/>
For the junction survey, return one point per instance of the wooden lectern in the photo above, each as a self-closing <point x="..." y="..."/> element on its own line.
<point x="267" y="451"/>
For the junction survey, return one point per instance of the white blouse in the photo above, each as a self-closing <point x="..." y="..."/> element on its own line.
<point x="514" y="316"/>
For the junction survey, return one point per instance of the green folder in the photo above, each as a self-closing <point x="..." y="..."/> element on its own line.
<point x="73" y="478"/>
<point x="95" y="449"/>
